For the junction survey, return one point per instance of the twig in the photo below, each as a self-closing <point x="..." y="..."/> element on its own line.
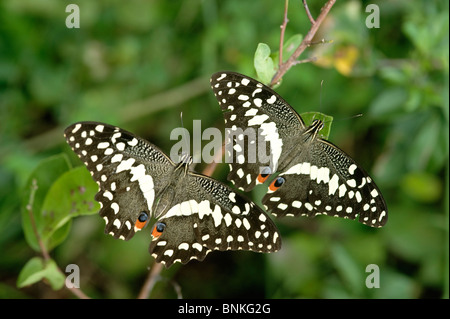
<point x="76" y="291"/>
<point x="323" y="41"/>
<point x="34" y="187"/>
<point x="312" y="59"/>
<point x="283" y="29"/>
<point x="44" y="251"/>
<point x="284" y="67"/>
<point x="311" y="19"/>
<point x="210" y="168"/>
<point x="177" y="289"/>
<point x="150" y="281"/>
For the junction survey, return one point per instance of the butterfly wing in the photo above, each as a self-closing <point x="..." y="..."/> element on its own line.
<point x="129" y="171"/>
<point x="318" y="177"/>
<point x="317" y="185"/>
<point x="249" y="110"/>
<point x="211" y="216"/>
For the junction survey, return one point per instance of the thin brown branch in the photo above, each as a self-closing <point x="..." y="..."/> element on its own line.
<point x="210" y="168"/>
<point x="283" y="29"/>
<point x="284" y="67"/>
<point x="312" y="59"/>
<point x="45" y="254"/>
<point x="29" y="207"/>
<point x="308" y="13"/>
<point x="323" y="41"/>
<point x="150" y="281"/>
<point x="76" y="291"/>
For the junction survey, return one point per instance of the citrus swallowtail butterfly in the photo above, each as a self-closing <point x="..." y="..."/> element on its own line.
<point x="194" y="214"/>
<point x="315" y="176"/>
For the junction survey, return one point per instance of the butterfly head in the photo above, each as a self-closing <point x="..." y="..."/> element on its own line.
<point x="312" y="130"/>
<point x="185" y="161"/>
<point x="317" y="125"/>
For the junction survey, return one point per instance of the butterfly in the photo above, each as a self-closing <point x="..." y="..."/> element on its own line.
<point x="194" y="214"/>
<point x="314" y="176"/>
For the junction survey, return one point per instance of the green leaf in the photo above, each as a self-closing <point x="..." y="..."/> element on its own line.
<point x="54" y="276"/>
<point x="31" y="273"/>
<point x="421" y="152"/>
<point x="395" y="285"/>
<point x="36" y="269"/>
<point x="263" y="63"/>
<point x="423" y="187"/>
<point x="309" y="117"/>
<point x="70" y="195"/>
<point x="300" y="251"/>
<point x="289" y="47"/>
<point x="389" y="102"/>
<point x="350" y="271"/>
<point x="35" y="191"/>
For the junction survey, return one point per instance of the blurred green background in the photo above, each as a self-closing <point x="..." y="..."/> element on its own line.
<point x="138" y="64"/>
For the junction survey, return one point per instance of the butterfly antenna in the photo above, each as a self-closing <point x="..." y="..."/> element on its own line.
<point x="184" y="155"/>
<point x="320" y="100"/>
<point x="349" y="117"/>
<point x="320" y="96"/>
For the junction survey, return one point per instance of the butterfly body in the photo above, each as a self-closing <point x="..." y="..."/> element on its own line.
<point x="315" y="176"/>
<point x="194" y="214"/>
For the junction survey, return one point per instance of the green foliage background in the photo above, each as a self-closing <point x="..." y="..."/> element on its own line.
<point x="138" y="64"/>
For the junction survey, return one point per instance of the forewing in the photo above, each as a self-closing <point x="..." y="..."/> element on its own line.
<point x="256" y="112"/>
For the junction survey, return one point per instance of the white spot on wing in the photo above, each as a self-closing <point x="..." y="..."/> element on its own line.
<point x="258" y="119"/>
<point x="333" y="185"/>
<point x="352" y="169"/>
<point x="217" y="215"/>
<point x="272" y="99"/>
<point x="117" y="223"/>
<point x="133" y="142"/>
<point x="221" y="77"/>
<point x="115" y="208"/>
<point x="125" y="165"/>
<point x="245" y="81"/>
<point x="296" y="204"/>
<point x="116" y="158"/>
<point x="102" y="145"/>
<point x="76" y="128"/>
<point x="270" y="133"/>
<point x="251" y="112"/>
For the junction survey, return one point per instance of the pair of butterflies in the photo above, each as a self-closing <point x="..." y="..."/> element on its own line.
<point x="196" y="214"/>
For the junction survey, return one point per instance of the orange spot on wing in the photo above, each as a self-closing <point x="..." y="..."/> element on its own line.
<point x="139" y="225"/>
<point x="155" y="232"/>
<point x="276" y="183"/>
<point x="262" y="177"/>
<point x="141" y="221"/>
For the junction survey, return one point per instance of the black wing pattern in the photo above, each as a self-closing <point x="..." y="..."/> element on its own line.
<point x="129" y="171"/>
<point x="209" y="216"/>
<point x="195" y="214"/>
<point x="315" y="176"/>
